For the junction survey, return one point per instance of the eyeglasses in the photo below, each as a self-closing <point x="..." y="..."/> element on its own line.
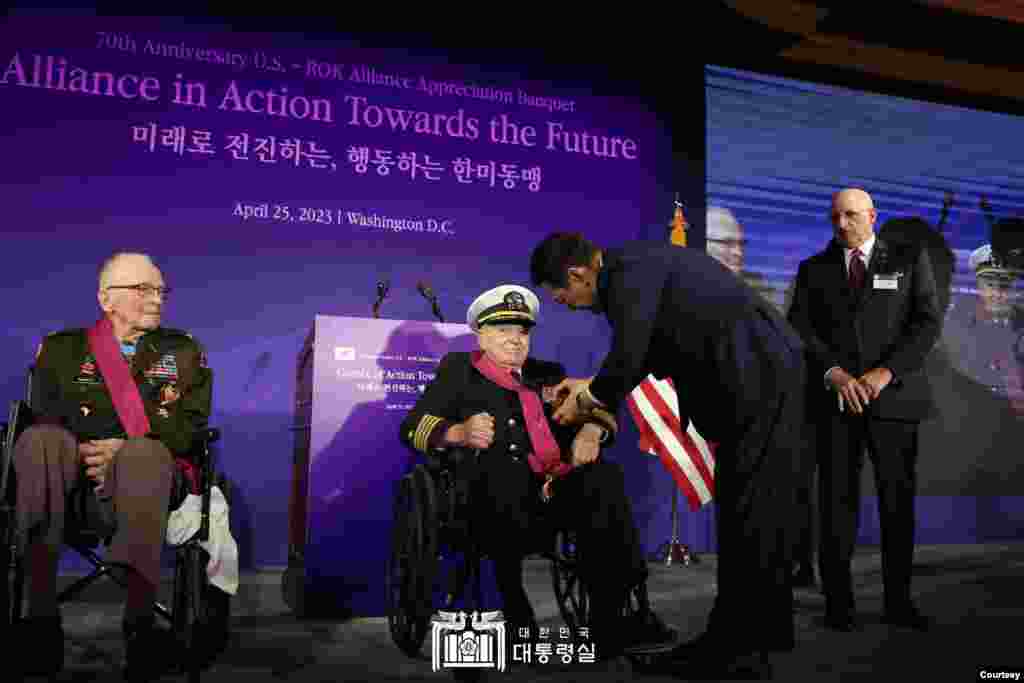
<point x="849" y="214"/>
<point x="144" y="290"/>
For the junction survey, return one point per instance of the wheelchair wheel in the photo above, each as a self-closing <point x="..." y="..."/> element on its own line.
<point x="201" y="613"/>
<point x="409" y="581"/>
<point x="186" y="610"/>
<point x="8" y="590"/>
<point x="570" y="593"/>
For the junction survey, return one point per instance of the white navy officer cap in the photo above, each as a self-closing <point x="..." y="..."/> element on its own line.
<point x="982" y="262"/>
<point x="503" y="305"/>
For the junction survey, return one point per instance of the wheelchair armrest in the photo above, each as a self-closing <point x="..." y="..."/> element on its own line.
<point x="201" y="444"/>
<point x="209" y="435"/>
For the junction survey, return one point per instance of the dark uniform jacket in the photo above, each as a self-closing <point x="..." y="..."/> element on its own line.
<point x="893" y="327"/>
<point x="681" y="314"/>
<point x="169" y="367"/>
<point x="508" y="488"/>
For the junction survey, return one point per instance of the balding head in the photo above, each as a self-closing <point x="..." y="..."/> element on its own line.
<point x="853" y="217"/>
<point x="123" y="261"/>
<point x="133" y="310"/>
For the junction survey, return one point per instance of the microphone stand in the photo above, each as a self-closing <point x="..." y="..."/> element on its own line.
<point x="382" y="292"/>
<point x="435" y="307"/>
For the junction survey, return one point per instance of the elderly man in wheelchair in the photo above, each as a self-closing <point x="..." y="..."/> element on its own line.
<point x="530" y="478"/>
<point x="112" y="406"/>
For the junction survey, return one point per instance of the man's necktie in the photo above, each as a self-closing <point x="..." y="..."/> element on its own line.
<point x="857" y="270"/>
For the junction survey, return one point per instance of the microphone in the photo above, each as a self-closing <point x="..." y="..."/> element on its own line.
<point x="382" y="291"/>
<point x="428" y="294"/>
<point x="986" y="206"/>
<point x="947" y="204"/>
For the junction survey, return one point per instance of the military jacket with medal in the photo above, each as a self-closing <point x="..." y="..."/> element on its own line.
<point x="168" y="366"/>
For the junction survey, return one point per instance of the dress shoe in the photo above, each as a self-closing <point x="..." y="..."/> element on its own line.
<point x="38" y="646"/>
<point x="845" y="622"/>
<point x="703" y="643"/>
<point x="907" y="617"/>
<point x="149" y="651"/>
<point x="646" y="633"/>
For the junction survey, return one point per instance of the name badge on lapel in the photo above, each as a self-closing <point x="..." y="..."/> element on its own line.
<point x="887" y="281"/>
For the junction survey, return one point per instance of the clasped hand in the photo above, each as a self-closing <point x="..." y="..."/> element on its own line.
<point x="859" y="392"/>
<point x="97" y="456"/>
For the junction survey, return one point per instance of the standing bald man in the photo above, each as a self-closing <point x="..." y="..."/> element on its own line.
<point x="868" y="311"/>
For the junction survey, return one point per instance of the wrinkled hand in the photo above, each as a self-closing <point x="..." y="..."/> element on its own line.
<point x="568" y="389"/>
<point x="479" y="431"/>
<point x="587" y="445"/>
<point x="97" y="456"/>
<point x="875" y="380"/>
<point x="547" y="491"/>
<point x="853" y="393"/>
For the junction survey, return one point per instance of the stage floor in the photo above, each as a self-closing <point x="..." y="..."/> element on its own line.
<point x="974" y="593"/>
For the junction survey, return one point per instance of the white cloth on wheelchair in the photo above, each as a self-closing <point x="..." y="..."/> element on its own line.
<point x="183" y="523"/>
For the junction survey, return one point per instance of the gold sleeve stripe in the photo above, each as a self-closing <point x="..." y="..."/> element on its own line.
<point x="423" y="430"/>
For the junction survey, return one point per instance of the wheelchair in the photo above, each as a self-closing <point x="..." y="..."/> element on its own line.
<point x="199" y="612"/>
<point x="429" y="525"/>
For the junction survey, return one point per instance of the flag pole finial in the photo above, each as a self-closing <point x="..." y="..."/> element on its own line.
<point x="677" y="228"/>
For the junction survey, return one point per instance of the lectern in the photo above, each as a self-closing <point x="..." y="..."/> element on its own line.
<point x="356" y="379"/>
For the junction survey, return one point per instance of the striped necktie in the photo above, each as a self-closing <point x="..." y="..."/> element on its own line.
<point x="857" y="270"/>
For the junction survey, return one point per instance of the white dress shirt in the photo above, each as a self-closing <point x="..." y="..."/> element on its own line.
<point x="866" y="250"/>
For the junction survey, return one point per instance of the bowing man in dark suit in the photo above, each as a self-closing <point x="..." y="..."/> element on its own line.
<point x="868" y="311"/>
<point x="532" y="476"/>
<point x="739" y="368"/>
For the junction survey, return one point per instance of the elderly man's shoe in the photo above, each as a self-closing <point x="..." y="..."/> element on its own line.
<point x="646" y="633"/>
<point x="38" y="646"/>
<point x="149" y="651"/>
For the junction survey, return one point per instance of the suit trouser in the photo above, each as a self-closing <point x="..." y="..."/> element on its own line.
<point x="892" y="446"/>
<point x="591" y="501"/>
<point x="806" y="522"/>
<point x="49" y="472"/>
<point x="759" y="477"/>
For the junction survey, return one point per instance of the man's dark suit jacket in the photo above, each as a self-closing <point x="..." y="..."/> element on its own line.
<point x="891" y="328"/>
<point x="679" y="313"/>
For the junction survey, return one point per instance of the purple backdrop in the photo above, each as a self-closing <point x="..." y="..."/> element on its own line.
<point x="176" y="156"/>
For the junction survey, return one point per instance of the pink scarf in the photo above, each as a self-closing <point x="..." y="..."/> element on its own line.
<point x="546" y="456"/>
<point x="118" y="376"/>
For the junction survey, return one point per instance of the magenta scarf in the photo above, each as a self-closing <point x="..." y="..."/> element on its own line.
<point x="118" y="376"/>
<point x="546" y="456"/>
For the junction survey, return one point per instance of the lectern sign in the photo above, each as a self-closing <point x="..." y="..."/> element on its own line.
<point x="357" y="379"/>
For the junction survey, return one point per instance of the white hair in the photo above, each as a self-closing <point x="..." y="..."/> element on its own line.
<point x="108" y="266"/>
